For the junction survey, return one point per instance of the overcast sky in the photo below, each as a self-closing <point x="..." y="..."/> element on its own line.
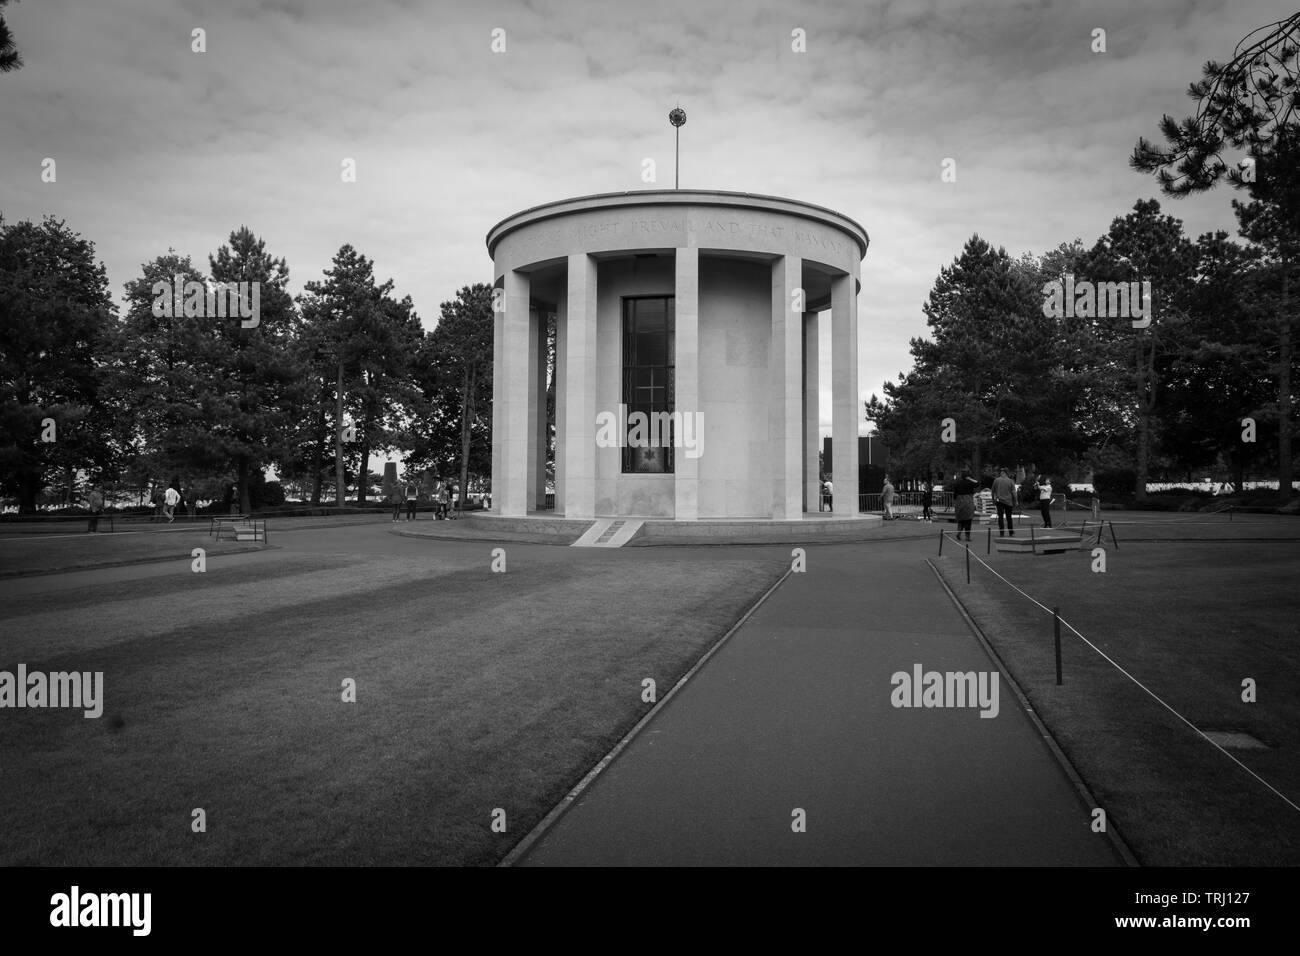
<point x="157" y="146"/>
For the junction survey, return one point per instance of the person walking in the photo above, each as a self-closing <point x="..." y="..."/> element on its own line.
<point x="1045" y="500"/>
<point x="171" y="498"/>
<point x="452" y="490"/>
<point x="396" y="498"/>
<point x="443" y="497"/>
<point x="963" y="501"/>
<point x="1004" y="498"/>
<point x="95" y="504"/>
<point x="412" y="499"/>
<point x="927" y="499"/>
<point x="887" y="499"/>
<point x="830" y="495"/>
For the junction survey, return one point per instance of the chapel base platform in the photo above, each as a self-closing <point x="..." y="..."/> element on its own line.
<point x="811" y="529"/>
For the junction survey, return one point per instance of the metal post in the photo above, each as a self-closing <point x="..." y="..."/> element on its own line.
<point x="989" y="550"/>
<point x="1033" y="544"/>
<point x="1112" y="535"/>
<point x="941" y="536"/>
<point x="1056" y="627"/>
<point x="677" y="155"/>
<point x="968" y="563"/>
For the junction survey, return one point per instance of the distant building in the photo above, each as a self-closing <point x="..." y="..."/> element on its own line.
<point x="873" y="463"/>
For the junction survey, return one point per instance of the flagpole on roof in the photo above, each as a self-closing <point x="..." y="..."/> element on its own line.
<point x="678" y="118"/>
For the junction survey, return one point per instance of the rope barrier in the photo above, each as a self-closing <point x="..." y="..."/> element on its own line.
<point x="1154" y="696"/>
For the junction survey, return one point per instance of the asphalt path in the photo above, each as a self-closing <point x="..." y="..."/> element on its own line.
<point x="794" y="713"/>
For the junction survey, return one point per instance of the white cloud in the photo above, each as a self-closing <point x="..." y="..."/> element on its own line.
<point x="158" y="146"/>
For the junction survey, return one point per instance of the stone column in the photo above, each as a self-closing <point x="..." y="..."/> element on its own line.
<point x="686" y="399"/>
<point x="811" y="417"/>
<point x="498" y="392"/>
<point x="847" y="409"/>
<point x="561" y="319"/>
<point x="510" y="420"/>
<point x="785" y="388"/>
<point x="537" y="408"/>
<point x="579" y="384"/>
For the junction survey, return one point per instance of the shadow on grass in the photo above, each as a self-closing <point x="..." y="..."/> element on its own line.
<point x="474" y="692"/>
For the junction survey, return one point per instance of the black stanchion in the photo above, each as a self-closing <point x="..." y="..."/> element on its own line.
<point x="1033" y="544"/>
<point x="941" y="544"/>
<point x="1113" y="539"/>
<point x="1056" y="627"/>
<point x="968" y="562"/>
<point x="990" y="545"/>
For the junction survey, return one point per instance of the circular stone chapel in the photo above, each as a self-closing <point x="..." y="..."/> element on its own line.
<point x="685" y="340"/>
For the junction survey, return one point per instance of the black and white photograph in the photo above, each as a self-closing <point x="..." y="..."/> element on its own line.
<point x="597" y="434"/>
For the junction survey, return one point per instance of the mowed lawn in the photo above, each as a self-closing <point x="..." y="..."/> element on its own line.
<point x="1191" y="622"/>
<point x="45" y="547"/>
<point x="476" y="691"/>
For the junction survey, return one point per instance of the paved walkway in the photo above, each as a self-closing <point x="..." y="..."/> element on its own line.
<point x="794" y="712"/>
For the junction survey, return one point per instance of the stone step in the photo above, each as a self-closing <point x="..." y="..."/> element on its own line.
<point x="609" y="533"/>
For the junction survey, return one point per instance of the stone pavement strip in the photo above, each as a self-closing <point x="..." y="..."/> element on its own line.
<point x="794" y="712"/>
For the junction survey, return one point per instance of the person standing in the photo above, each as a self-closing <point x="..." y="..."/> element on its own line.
<point x="1004" y="498"/>
<point x="1045" y="500"/>
<point x="887" y="499"/>
<point x="963" y="501"/>
<point x="442" y="496"/>
<point x="396" y="498"/>
<point x="927" y="499"/>
<point x="95" y="504"/>
<point x="830" y="495"/>
<point x="171" y="498"/>
<point x="412" y="498"/>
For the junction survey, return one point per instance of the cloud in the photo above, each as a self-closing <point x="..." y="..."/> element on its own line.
<point x="159" y="146"/>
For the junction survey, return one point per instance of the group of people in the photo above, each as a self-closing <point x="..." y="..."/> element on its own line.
<point x="444" y="497"/>
<point x="1004" y="499"/>
<point x="888" y="494"/>
<point x="165" y="504"/>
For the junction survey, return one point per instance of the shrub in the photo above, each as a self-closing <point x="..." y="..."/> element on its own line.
<point x="270" y="493"/>
<point x="1114" y="484"/>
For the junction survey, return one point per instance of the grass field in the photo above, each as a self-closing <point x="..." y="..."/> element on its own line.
<point x="1190" y="620"/>
<point x="36" y="548"/>
<point x="475" y="691"/>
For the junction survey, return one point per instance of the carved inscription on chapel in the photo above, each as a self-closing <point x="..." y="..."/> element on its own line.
<point x="612" y="233"/>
